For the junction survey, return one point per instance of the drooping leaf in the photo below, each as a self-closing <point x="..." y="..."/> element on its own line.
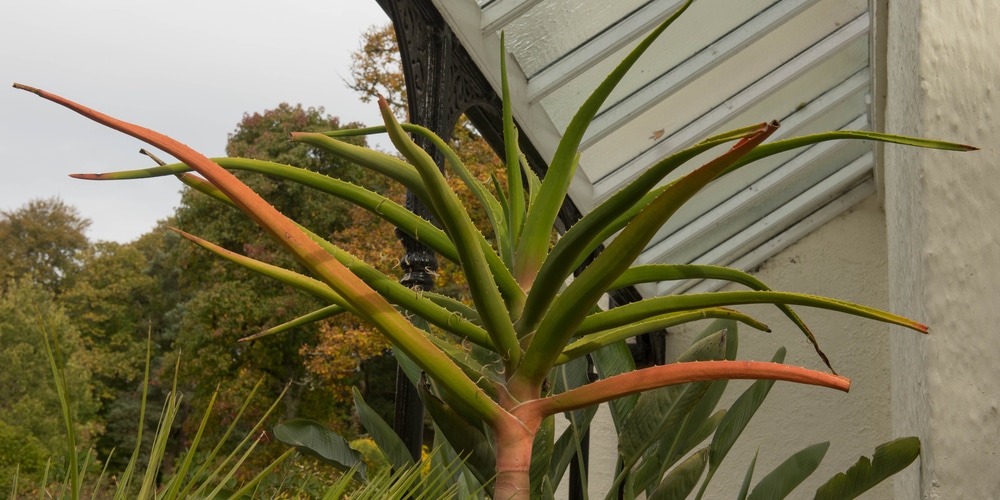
<point x="682" y="480"/>
<point x="889" y="458"/>
<point x="785" y="477"/>
<point x="387" y="440"/>
<point x="313" y="439"/>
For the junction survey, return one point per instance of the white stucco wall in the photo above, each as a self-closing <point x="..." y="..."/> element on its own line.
<point x="943" y="213"/>
<point x="846" y="259"/>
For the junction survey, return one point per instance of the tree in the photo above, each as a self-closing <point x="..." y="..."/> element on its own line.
<point x="31" y="425"/>
<point x="219" y="304"/>
<point x="42" y="240"/>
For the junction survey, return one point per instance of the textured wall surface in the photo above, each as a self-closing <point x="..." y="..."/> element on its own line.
<point x="943" y="218"/>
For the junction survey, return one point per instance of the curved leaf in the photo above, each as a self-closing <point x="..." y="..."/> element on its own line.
<point x="542" y="213"/>
<point x="785" y="477"/>
<point x="317" y="315"/>
<point x="682" y="480"/>
<point x="648" y="308"/>
<point x="387" y="440"/>
<point x="311" y="438"/>
<point x="889" y="458"/>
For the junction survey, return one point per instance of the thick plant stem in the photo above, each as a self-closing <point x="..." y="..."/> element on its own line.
<point x="513" y="452"/>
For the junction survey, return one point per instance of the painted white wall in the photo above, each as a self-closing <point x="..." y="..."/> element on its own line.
<point x="846" y="259"/>
<point x="943" y="213"/>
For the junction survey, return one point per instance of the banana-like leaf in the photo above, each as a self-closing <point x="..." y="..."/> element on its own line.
<point x="542" y="448"/>
<point x="569" y="310"/>
<point x="638" y="311"/>
<point x="682" y="480"/>
<point x="317" y="315"/>
<point x="592" y="342"/>
<point x="612" y="360"/>
<point x="736" y="420"/>
<point x="466" y="438"/>
<point x="889" y="458"/>
<point x="659" y="410"/>
<point x="541" y="216"/>
<point x="566" y="377"/>
<point x="661" y="272"/>
<point x="360" y="297"/>
<point x="745" y="487"/>
<point x="468" y="240"/>
<point x="313" y="439"/>
<point x="387" y="440"/>
<point x="785" y="477"/>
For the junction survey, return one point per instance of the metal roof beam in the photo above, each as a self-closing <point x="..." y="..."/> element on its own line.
<point x="578" y="60"/>
<point x="719" y="115"/>
<point x="686" y="72"/>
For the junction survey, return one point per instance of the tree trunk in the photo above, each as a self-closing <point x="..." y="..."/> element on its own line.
<point x="513" y="449"/>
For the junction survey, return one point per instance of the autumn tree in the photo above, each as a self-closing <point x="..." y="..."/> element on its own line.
<point x="41" y="240"/>
<point x="222" y="303"/>
<point x="347" y="345"/>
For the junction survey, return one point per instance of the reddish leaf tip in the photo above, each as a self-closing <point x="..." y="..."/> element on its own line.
<point x="33" y="90"/>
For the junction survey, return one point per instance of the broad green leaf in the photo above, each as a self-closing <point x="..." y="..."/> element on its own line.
<point x="542" y="448"/>
<point x="542" y="213"/>
<point x="611" y="360"/>
<point x="564" y="450"/>
<point x="785" y="477"/>
<point x="889" y="458"/>
<point x="466" y="438"/>
<point x="660" y="409"/>
<point x="313" y="439"/>
<point x="745" y="487"/>
<point x="739" y="415"/>
<point x="387" y="440"/>
<point x="682" y="480"/>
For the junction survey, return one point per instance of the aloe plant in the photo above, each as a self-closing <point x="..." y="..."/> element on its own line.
<point x="493" y="375"/>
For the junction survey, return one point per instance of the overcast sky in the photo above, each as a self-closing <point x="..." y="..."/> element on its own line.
<point x="186" y="68"/>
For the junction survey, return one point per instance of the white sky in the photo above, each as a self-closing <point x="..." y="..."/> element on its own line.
<point x="186" y="68"/>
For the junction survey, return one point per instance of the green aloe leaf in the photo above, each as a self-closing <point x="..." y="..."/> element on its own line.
<point x="785" y="477"/>
<point x="648" y="308"/>
<point x="468" y="240"/>
<point x="569" y="310"/>
<point x="361" y="298"/>
<point x="515" y="188"/>
<point x="682" y="480"/>
<point x="313" y="439"/>
<point x="387" y="440"/>
<point x="541" y="216"/>
<point x="589" y="232"/>
<point x="660" y="272"/>
<point x="889" y="458"/>
<point x="317" y="315"/>
<point x="591" y="342"/>
<point x="736" y="420"/>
